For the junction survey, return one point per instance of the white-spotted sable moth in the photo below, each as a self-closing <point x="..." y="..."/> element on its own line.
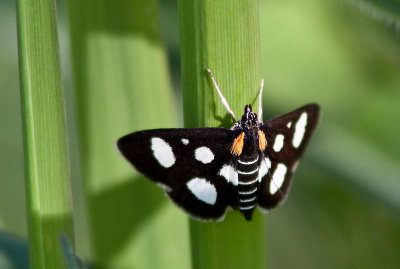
<point x="206" y="170"/>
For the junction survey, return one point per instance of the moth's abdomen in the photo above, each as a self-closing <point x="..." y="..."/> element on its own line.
<point x="247" y="169"/>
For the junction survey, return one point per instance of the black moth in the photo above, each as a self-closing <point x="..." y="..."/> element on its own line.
<point x="206" y="170"/>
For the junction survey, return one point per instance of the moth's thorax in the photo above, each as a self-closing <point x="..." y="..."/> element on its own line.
<point x="250" y="147"/>
<point x="249" y="132"/>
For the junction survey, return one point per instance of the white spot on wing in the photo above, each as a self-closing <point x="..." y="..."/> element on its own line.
<point x="185" y="141"/>
<point x="277" y="178"/>
<point x="299" y="130"/>
<point x="204" y="155"/>
<point x="289" y="124"/>
<point x="264" y="167"/>
<point x="203" y="190"/>
<point x="278" y="144"/>
<point x="162" y="151"/>
<point x="229" y="173"/>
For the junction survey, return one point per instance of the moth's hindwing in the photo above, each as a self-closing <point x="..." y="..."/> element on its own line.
<point x="287" y="137"/>
<point x="186" y="162"/>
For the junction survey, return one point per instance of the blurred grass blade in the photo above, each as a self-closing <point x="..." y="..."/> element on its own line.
<point x="224" y="36"/>
<point x="385" y="10"/>
<point x="49" y="202"/>
<point x="367" y="168"/>
<point x="122" y="85"/>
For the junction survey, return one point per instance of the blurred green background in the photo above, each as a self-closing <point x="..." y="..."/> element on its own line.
<point x="344" y="206"/>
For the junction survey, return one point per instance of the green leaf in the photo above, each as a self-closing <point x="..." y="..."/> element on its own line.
<point x="49" y="202"/>
<point x="222" y="36"/>
<point x="122" y="85"/>
<point x="367" y="167"/>
<point x="385" y="10"/>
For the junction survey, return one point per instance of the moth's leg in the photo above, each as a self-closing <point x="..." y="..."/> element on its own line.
<point x="223" y="100"/>
<point x="260" y="100"/>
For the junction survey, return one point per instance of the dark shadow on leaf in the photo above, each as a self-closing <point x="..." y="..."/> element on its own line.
<point x="123" y="18"/>
<point x="225" y="122"/>
<point x="118" y="213"/>
<point x="137" y="18"/>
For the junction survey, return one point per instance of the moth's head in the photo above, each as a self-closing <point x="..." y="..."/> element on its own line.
<point x="249" y="118"/>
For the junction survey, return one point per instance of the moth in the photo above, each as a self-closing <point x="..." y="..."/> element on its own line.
<point x="206" y="170"/>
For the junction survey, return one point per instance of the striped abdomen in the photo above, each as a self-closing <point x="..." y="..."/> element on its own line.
<point x="247" y="169"/>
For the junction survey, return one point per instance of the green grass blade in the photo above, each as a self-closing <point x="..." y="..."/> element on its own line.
<point x="224" y="36"/>
<point x="122" y="85"/>
<point x="385" y="10"/>
<point x="45" y="143"/>
<point x="362" y="167"/>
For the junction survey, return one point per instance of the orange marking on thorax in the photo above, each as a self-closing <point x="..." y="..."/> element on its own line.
<point x="262" y="142"/>
<point x="237" y="145"/>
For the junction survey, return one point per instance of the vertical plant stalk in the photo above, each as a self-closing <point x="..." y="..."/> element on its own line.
<point x="48" y="191"/>
<point x="122" y="86"/>
<point x="224" y="36"/>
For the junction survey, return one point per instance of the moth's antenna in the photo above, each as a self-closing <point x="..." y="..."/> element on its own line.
<point x="223" y="100"/>
<point x="260" y="100"/>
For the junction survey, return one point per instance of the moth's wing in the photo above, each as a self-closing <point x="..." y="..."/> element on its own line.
<point x="186" y="162"/>
<point x="287" y="137"/>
